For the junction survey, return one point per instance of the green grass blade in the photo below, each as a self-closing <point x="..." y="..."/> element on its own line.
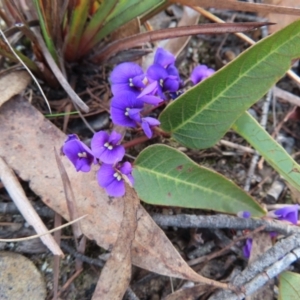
<point x="95" y="25"/>
<point x="45" y="30"/>
<point x="79" y="16"/>
<point x="201" y="116"/>
<point x="272" y="152"/>
<point x="125" y="11"/>
<point x="289" y="288"/>
<point x="165" y="176"/>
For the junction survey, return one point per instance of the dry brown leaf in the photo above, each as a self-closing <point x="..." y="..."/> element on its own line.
<point x="283" y="20"/>
<point x="261" y="242"/>
<point x="116" y="274"/>
<point x="12" y="84"/>
<point x="27" y="141"/>
<point x="189" y="17"/>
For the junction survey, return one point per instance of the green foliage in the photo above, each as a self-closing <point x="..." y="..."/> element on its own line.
<point x="165" y="176"/>
<point x="202" y="115"/>
<point x="289" y="288"/>
<point x="273" y="153"/>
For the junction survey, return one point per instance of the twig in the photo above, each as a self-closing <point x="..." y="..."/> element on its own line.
<point x="224" y="221"/>
<point x="266" y="267"/>
<point x="225" y="249"/>
<point x="84" y="258"/>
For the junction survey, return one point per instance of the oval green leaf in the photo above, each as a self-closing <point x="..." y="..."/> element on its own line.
<point x="289" y="288"/>
<point x="273" y="153"/>
<point x="165" y="176"/>
<point x="201" y="116"/>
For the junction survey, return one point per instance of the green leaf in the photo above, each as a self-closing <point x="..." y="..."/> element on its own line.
<point x="289" y="287"/>
<point x="95" y="24"/>
<point x="165" y="176"/>
<point x="272" y="152"/>
<point x="125" y="11"/>
<point x="79" y="15"/>
<point x="39" y="5"/>
<point x="201" y="116"/>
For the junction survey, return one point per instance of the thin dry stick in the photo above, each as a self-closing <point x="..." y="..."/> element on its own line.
<point x="15" y="190"/>
<point x="40" y="235"/>
<point x="245" y="38"/>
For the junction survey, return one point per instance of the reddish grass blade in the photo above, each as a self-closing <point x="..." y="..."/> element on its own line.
<point x="152" y="36"/>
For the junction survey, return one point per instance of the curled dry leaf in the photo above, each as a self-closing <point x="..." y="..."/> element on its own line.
<point x="116" y="274"/>
<point x="27" y="141"/>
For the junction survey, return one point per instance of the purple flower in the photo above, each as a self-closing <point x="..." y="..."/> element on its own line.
<point x="163" y="79"/>
<point x="288" y="213"/>
<point x="163" y="57"/>
<point x="147" y="123"/>
<point x="244" y="214"/>
<point x="106" y="148"/>
<point x="200" y="73"/>
<point x="78" y="153"/>
<point x="247" y="248"/>
<point x="125" y="109"/>
<point x="127" y="76"/>
<point x="111" y="178"/>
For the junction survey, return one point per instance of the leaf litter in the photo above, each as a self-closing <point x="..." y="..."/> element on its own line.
<point x="28" y="141"/>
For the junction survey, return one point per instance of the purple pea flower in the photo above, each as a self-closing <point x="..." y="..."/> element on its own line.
<point x="111" y="178"/>
<point x="125" y="109"/>
<point x="163" y="79"/>
<point x="127" y="76"/>
<point x="163" y="57"/>
<point x="106" y="148"/>
<point x="288" y="213"/>
<point x="78" y="153"/>
<point x="200" y="73"/>
<point x="147" y="123"/>
<point x="247" y="248"/>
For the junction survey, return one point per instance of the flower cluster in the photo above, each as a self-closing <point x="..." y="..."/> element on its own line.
<point x="106" y="149"/>
<point x="132" y="90"/>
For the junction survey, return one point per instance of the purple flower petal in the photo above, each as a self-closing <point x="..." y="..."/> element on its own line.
<point x="147" y="130"/>
<point x="120" y="106"/>
<point x="146" y="123"/>
<point x="135" y="114"/>
<point x="171" y="84"/>
<point x="105" y="175"/>
<point x="150" y="89"/>
<point x="157" y="73"/>
<point x="247" y="248"/>
<point x="126" y="168"/>
<point x="153" y="100"/>
<point x="127" y="76"/>
<point x="116" y="188"/>
<point x="172" y="70"/>
<point x="200" y="73"/>
<point x="163" y="57"/>
<point x="288" y="213"/>
<point x="78" y="153"/>
<point x="105" y="147"/>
